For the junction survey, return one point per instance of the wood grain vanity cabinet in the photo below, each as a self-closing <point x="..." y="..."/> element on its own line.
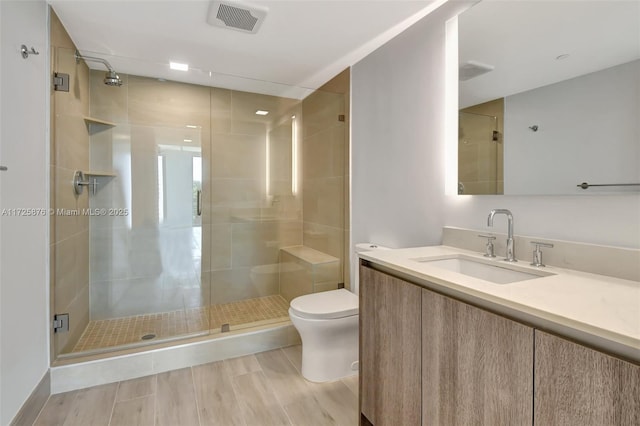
<point x="477" y="367"/>
<point x="576" y="385"/>
<point x="390" y="350"/>
<point x="429" y="359"/>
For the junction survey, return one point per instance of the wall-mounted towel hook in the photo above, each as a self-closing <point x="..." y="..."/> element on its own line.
<point x="26" y="52"/>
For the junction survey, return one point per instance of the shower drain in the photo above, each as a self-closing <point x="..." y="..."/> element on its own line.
<point x="148" y="337"/>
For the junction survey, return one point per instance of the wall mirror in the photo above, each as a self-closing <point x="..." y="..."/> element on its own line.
<point x="549" y="95"/>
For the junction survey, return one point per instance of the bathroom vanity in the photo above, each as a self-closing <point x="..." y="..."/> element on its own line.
<point x="439" y="346"/>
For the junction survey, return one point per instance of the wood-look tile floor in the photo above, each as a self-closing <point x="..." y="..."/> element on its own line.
<point x="254" y="390"/>
<point x="108" y="333"/>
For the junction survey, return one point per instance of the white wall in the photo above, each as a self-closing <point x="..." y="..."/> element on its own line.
<point x="397" y="134"/>
<point x="24" y="324"/>
<point x="397" y="116"/>
<point x="398" y="159"/>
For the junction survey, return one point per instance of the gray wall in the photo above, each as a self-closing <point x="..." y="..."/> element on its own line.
<point x="588" y="132"/>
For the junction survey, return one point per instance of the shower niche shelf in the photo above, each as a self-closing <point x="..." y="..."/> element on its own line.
<point x="100" y="174"/>
<point x="95" y="125"/>
<point x="89" y="179"/>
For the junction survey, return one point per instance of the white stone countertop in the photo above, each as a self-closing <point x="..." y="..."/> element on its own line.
<point x="597" y="310"/>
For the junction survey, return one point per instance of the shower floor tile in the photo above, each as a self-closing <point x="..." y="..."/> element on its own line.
<point x="101" y="334"/>
<point x="248" y="311"/>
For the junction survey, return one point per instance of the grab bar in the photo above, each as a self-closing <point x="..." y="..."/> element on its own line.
<point x="585" y="185"/>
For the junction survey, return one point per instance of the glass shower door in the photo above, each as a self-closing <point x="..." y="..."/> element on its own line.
<point x="127" y="251"/>
<point x="146" y="266"/>
<point x="478" y="159"/>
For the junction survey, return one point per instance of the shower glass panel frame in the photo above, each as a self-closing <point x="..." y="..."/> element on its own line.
<point x="193" y="197"/>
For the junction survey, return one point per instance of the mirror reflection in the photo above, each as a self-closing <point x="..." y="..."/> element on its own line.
<point x="549" y="97"/>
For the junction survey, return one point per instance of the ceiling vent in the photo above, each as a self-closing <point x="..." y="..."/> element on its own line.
<point x="236" y="15"/>
<point x="471" y="69"/>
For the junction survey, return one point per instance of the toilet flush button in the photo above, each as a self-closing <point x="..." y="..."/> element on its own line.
<point x="355" y="365"/>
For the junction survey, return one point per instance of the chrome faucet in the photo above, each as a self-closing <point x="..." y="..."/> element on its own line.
<point x="510" y="252"/>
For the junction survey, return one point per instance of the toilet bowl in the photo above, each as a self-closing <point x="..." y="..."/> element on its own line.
<point x="328" y="326"/>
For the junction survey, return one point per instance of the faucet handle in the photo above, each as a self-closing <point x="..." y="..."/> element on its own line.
<point x="489" y="252"/>
<point x="537" y="253"/>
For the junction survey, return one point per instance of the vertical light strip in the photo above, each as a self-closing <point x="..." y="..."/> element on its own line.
<point x="294" y="155"/>
<point x="451" y="108"/>
<point x="267" y="165"/>
<point x="160" y="189"/>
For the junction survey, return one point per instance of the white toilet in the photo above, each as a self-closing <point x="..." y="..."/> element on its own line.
<point x="328" y="326"/>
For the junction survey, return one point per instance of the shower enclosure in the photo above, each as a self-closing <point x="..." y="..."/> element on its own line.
<point x="203" y="209"/>
<point x="480" y="149"/>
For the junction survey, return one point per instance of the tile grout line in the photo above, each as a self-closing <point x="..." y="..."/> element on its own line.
<point x="275" y="394"/>
<point x="75" y="397"/>
<point x="227" y="370"/>
<point x="113" y="406"/>
<point x="155" y="398"/>
<point x="290" y="360"/>
<point x="195" y="394"/>
<point x="286" y="413"/>
<point x="41" y="410"/>
<point x="235" y="394"/>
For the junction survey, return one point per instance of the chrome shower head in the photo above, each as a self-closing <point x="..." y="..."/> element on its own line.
<point x="112" y="79"/>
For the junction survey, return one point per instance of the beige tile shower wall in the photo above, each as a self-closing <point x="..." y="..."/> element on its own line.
<point x="248" y="226"/>
<point x="304" y="270"/>
<point x="295" y="279"/>
<point x="325" y="151"/>
<point x="69" y="250"/>
<point x="472" y="184"/>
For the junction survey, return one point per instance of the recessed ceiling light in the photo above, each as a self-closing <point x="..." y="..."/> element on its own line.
<point x="188" y="140"/>
<point x="191" y="126"/>
<point x="262" y="112"/>
<point x="178" y="66"/>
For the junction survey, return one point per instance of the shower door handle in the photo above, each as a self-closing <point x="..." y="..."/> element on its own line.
<point x="199" y="202"/>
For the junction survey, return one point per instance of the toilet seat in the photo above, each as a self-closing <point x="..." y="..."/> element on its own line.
<point x="325" y="305"/>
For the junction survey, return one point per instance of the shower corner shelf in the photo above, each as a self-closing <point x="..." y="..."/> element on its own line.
<point x="95" y="125"/>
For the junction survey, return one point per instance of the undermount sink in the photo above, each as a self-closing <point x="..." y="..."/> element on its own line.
<point x="484" y="270"/>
